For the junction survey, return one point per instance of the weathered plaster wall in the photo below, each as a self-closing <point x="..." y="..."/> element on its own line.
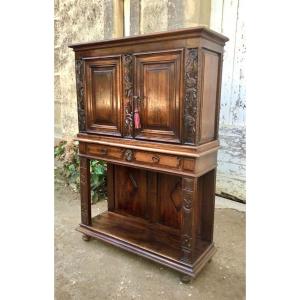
<point x="78" y="21"/>
<point x="227" y="17"/>
<point x="145" y="16"/>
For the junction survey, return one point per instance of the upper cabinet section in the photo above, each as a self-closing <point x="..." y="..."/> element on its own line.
<point x="163" y="87"/>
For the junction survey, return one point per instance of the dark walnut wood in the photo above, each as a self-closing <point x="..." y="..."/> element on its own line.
<point x="149" y="106"/>
<point x="190" y="97"/>
<point x="80" y="94"/>
<point x="128" y="94"/>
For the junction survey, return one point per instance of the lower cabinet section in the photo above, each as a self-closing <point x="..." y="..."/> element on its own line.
<point x="153" y="196"/>
<point x="166" y="218"/>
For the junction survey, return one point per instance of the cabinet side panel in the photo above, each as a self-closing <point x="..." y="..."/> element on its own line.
<point x="207" y="207"/>
<point x="209" y="107"/>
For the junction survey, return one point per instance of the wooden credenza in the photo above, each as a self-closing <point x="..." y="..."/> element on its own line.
<point x="149" y="106"/>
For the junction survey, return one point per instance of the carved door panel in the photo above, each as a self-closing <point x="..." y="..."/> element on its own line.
<point x="157" y="95"/>
<point x="103" y="97"/>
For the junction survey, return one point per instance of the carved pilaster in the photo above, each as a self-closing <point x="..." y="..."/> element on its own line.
<point x="79" y="68"/>
<point x="85" y="193"/>
<point x="128" y="93"/>
<point x="191" y="95"/>
<point x="189" y="187"/>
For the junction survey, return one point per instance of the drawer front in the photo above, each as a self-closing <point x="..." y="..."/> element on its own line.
<point x="104" y="151"/>
<point x="138" y="157"/>
<point x="157" y="159"/>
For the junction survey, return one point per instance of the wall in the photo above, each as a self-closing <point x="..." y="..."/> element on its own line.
<point x="77" y="21"/>
<point x="227" y="17"/>
<point x="145" y="16"/>
<point x="86" y="20"/>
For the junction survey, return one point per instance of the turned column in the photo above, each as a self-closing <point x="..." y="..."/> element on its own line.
<point x="188" y="228"/>
<point x="85" y="191"/>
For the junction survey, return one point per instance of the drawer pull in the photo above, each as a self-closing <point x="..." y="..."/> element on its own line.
<point x="128" y="155"/>
<point x="156" y="159"/>
<point x="103" y="151"/>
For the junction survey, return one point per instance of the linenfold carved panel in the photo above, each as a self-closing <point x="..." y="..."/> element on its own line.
<point x="79" y="68"/>
<point x="128" y="93"/>
<point x="191" y="95"/>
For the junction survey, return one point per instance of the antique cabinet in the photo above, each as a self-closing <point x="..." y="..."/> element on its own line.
<point x="149" y="106"/>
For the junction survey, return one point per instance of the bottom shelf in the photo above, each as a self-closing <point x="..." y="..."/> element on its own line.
<point x="148" y="240"/>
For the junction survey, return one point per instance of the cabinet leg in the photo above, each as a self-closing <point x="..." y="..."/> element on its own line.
<point x="85" y="191"/>
<point x="86" y="238"/>
<point x="188" y="229"/>
<point x="185" y="278"/>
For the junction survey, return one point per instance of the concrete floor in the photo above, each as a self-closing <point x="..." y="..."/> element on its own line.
<point x="95" y="270"/>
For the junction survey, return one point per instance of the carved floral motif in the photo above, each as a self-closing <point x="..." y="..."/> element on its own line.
<point x="190" y="99"/>
<point x="186" y="241"/>
<point x="79" y="69"/>
<point x="187" y="201"/>
<point x="187" y="216"/>
<point x="84" y="190"/>
<point x="128" y="92"/>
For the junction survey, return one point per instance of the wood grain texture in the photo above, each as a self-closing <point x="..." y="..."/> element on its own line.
<point x="103" y="95"/>
<point x="131" y="191"/>
<point x="210" y="96"/>
<point x="157" y="83"/>
<point x="170" y="200"/>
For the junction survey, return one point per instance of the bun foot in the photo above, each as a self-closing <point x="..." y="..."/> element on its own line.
<point x="86" y="238"/>
<point x="185" y="279"/>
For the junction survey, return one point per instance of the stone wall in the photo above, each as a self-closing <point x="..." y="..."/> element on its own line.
<point x="77" y="21"/>
<point x="147" y="16"/>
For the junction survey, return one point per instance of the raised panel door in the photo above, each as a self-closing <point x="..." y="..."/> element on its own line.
<point x="103" y="95"/>
<point x="157" y="91"/>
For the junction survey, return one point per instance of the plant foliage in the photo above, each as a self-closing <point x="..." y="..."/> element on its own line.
<point x="67" y="153"/>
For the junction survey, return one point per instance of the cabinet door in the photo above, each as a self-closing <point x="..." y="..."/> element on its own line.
<point x="103" y="96"/>
<point x="158" y="79"/>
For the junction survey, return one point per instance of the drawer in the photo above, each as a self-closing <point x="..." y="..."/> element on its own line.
<point x="158" y="159"/>
<point x="137" y="157"/>
<point x="104" y="151"/>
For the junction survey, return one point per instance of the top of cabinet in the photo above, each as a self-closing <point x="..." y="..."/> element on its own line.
<point x="199" y="31"/>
